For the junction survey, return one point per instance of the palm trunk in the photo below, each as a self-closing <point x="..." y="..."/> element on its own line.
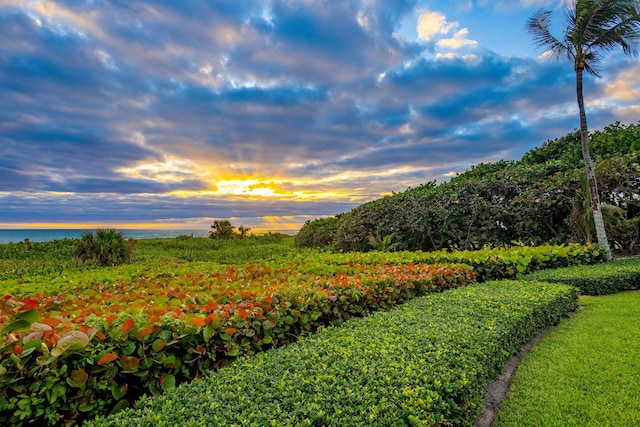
<point x="601" y="233"/>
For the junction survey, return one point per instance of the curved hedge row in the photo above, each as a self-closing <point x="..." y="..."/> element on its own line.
<point x="610" y="278"/>
<point x="425" y="363"/>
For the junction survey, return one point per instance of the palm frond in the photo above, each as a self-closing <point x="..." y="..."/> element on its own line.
<point x="538" y="26"/>
<point x="580" y="24"/>
<point x="624" y="34"/>
<point x="597" y="27"/>
<point x="590" y="68"/>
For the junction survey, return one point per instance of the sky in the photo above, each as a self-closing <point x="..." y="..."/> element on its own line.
<point x="269" y="113"/>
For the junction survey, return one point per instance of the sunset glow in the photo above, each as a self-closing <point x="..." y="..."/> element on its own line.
<point x="248" y="187"/>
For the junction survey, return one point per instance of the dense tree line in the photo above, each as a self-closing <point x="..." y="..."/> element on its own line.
<point x="541" y="198"/>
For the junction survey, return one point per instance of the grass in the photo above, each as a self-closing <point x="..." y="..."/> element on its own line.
<point x="585" y="372"/>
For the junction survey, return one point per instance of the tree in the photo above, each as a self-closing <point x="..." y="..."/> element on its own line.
<point x="221" y="230"/>
<point x="243" y="231"/>
<point x="592" y="29"/>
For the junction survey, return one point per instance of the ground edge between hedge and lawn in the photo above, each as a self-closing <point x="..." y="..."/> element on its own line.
<point x="425" y="363"/>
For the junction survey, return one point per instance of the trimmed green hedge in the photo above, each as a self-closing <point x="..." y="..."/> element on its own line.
<point x="425" y="363"/>
<point x="488" y="263"/>
<point x="602" y="279"/>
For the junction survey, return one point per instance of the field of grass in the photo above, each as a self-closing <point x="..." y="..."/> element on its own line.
<point x="585" y="372"/>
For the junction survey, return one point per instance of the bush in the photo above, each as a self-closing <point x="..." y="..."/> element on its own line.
<point x="106" y="247"/>
<point x="487" y="264"/>
<point x="222" y="229"/>
<point x="609" y="278"/>
<point x="528" y="202"/>
<point x="70" y="357"/>
<point x="319" y="233"/>
<point x="425" y="363"/>
<point x="269" y="237"/>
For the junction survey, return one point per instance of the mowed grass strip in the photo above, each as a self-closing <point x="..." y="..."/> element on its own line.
<point x="585" y="372"/>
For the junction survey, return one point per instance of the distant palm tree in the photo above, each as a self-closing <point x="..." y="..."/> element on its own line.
<point x="592" y="29"/>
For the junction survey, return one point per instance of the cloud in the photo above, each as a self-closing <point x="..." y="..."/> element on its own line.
<point x="458" y="41"/>
<point x="113" y="208"/>
<point x="510" y="4"/>
<point x="625" y="86"/>
<point x="169" y="111"/>
<point x="432" y="24"/>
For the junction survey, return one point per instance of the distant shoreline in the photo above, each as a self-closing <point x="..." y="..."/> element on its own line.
<point x="47" y="235"/>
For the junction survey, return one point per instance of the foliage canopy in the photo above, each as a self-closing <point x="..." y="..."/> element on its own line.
<point x="530" y="201"/>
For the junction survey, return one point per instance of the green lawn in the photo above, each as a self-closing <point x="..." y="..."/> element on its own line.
<point x="585" y="372"/>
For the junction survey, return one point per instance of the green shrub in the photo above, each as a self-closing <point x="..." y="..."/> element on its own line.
<point x="425" y="363"/>
<point x="602" y="279"/>
<point x="106" y="247"/>
<point x="319" y="233"/>
<point x="487" y="264"/>
<point x="70" y="357"/>
<point x="222" y="230"/>
<point x="500" y="203"/>
<point x="269" y="237"/>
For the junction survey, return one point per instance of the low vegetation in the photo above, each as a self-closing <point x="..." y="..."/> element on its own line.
<point x="27" y="267"/>
<point x="253" y="248"/>
<point x="67" y="357"/>
<point x="24" y="260"/>
<point x="91" y="341"/>
<point x="612" y="277"/>
<point x="487" y="264"/>
<point x="425" y="363"/>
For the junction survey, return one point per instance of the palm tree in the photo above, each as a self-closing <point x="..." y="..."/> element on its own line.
<point x="592" y="29"/>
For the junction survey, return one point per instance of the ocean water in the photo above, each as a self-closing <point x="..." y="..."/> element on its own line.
<point x="45" y="235"/>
